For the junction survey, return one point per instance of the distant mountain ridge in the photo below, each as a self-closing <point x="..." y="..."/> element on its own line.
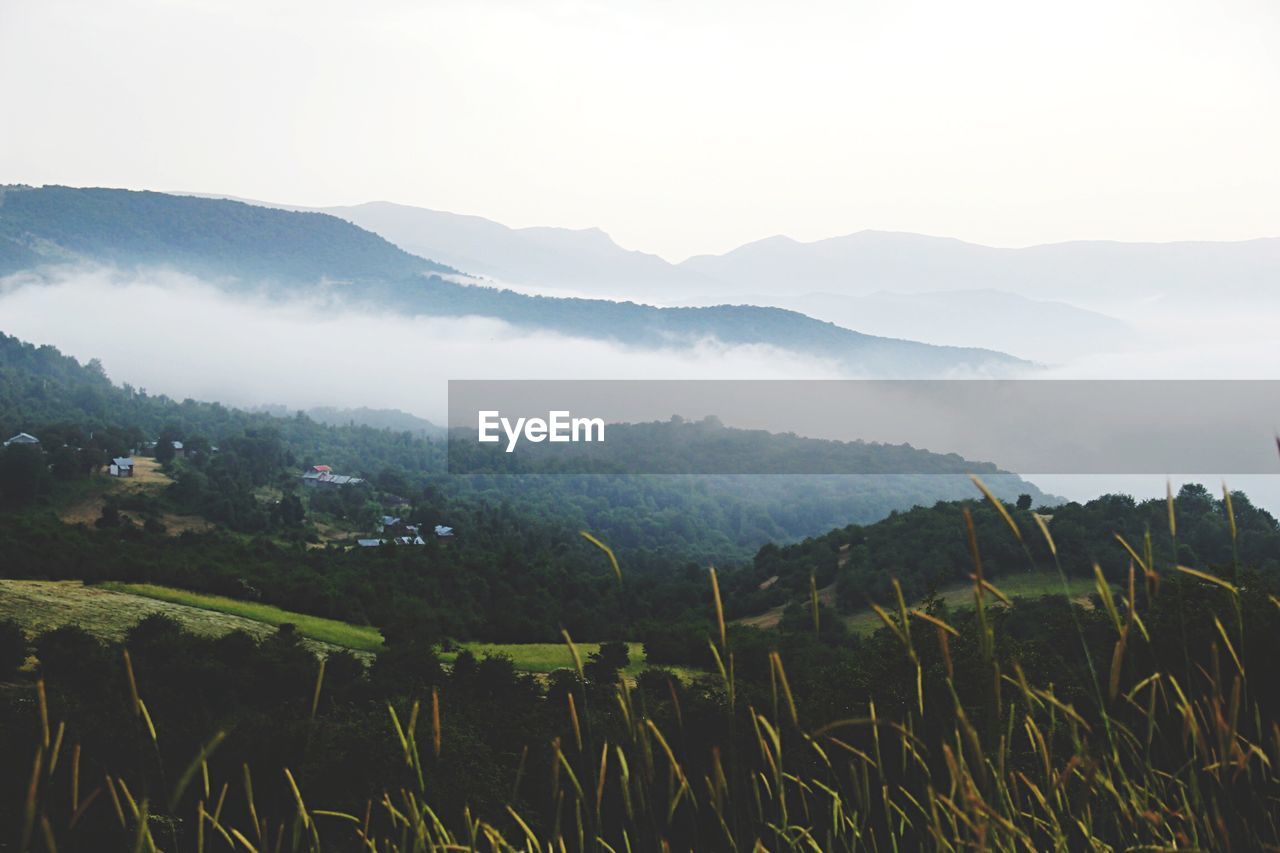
<point x="859" y="263"/>
<point x="1051" y="304"/>
<point x="555" y="258"/>
<point x="587" y="262"/>
<point x="389" y="419"/>
<point x="867" y="261"/>
<point x="287" y="253"/>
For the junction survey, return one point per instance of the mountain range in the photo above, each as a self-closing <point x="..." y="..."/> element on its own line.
<point x="285" y="254"/>
<point x="858" y="264"/>
<point x="862" y="300"/>
<point x="1047" y="303"/>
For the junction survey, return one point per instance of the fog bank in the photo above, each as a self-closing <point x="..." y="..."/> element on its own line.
<point x="173" y="334"/>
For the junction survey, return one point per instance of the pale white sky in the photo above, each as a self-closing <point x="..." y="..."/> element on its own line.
<point x="679" y="126"/>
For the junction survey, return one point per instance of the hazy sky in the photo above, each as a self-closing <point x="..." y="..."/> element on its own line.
<point x="679" y="127"/>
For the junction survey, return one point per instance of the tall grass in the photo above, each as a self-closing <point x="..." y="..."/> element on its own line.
<point x="1150" y="759"/>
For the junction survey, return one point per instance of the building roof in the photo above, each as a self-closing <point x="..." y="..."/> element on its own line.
<point x="321" y="468"/>
<point x="122" y="462"/>
<point x="441" y="530"/>
<point x="333" y="479"/>
<point x="398" y="540"/>
<point x="22" y="438"/>
<point x="177" y="445"/>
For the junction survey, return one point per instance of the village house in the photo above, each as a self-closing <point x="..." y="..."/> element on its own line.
<point x="318" y="475"/>
<point x="396" y="527"/>
<point x="394" y="540"/>
<point x="22" y="438"/>
<point x="121" y="466"/>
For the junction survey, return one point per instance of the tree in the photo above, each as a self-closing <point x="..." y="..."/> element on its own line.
<point x="289" y="511"/>
<point x="110" y="516"/>
<point x="24" y="475"/>
<point x="197" y="446"/>
<point x="13" y="649"/>
<point x="392" y="480"/>
<point x="164" y="444"/>
<point x="91" y="459"/>
<point x="66" y="464"/>
<point x="603" y="667"/>
<point x="70" y="653"/>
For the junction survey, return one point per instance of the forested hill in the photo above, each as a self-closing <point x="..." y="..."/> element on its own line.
<point x="927" y="548"/>
<point x="653" y="520"/>
<point x="239" y="246"/>
<point x="391" y="419"/>
<point x="707" y="446"/>
<point x="516" y="570"/>
<point x="42" y="390"/>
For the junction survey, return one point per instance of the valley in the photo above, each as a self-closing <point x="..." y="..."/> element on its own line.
<point x="588" y="427"/>
<point x="314" y="588"/>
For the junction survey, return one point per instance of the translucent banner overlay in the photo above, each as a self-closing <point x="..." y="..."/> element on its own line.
<point x="1218" y="427"/>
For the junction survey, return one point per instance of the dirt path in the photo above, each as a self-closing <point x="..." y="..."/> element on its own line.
<point x="41" y="605"/>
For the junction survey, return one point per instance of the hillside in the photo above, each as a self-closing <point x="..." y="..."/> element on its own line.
<point x="706" y="446"/>
<point x="955" y="596"/>
<point x="203" y="237"/>
<point x="719" y="518"/>
<point x="926" y="548"/>
<point x="86" y="503"/>
<point x="108" y="614"/>
<point x="289" y="254"/>
<point x="391" y="419"/>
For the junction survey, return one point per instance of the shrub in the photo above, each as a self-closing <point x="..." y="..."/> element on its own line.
<point x="13" y="649"/>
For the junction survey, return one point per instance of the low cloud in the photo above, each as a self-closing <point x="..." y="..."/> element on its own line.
<point x="171" y="333"/>
<point x="174" y="334"/>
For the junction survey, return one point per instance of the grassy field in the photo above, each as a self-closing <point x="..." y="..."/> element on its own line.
<point x="544" y="657"/>
<point x="527" y="657"/>
<point x="109" y="613"/>
<point x="359" y="637"/>
<point x="960" y="596"/>
<point x="957" y="597"/>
